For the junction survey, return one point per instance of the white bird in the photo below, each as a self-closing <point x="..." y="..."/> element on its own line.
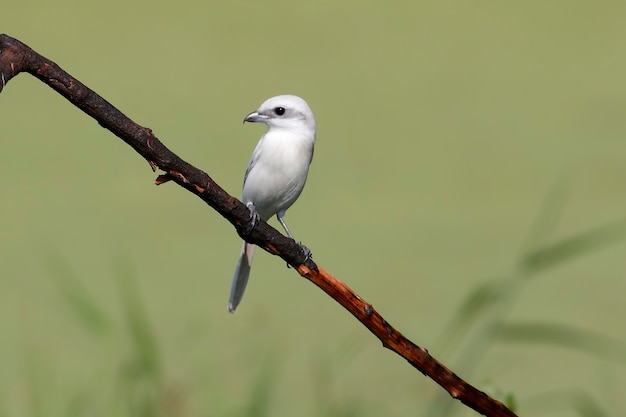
<point x="276" y="172"/>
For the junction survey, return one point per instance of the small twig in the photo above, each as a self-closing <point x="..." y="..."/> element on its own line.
<point x="16" y="57"/>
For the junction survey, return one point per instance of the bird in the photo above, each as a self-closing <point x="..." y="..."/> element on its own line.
<point x="276" y="173"/>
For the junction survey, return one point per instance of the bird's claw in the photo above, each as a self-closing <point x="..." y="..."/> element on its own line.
<point x="307" y="253"/>
<point x="254" y="218"/>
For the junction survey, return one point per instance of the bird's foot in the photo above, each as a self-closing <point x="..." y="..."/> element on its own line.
<point x="307" y="253"/>
<point x="254" y="219"/>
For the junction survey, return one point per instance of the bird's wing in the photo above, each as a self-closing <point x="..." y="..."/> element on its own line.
<point x="254" y="158"/>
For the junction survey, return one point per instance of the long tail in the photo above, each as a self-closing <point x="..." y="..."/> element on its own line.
<point x="240" y="279"/>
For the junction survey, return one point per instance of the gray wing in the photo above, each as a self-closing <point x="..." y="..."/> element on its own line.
<point x="253" y="158"/>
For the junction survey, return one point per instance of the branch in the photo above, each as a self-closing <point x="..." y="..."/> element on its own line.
<point x="16" y="57"/>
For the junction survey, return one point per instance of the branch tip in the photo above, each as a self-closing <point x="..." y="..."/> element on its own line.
<point x="162" y="179"/>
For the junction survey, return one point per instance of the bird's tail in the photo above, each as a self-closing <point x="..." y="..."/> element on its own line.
<point x="240" y="279"/>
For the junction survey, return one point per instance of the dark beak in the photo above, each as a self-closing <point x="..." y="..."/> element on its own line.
<point x="255" y="117"/>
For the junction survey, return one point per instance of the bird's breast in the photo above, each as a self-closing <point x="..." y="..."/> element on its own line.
<point x="279" y="170"/>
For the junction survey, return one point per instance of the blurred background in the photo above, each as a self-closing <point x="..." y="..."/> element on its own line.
<point x="468" y="181"/>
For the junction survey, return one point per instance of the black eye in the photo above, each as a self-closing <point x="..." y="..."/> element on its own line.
<point x="279" y="111"/>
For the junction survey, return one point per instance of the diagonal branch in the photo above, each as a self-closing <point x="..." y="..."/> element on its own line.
<point x="16" y="57"/>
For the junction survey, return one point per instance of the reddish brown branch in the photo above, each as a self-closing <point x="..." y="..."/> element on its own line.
<point x="396" y="342"/>
<point x="16" y="57"/>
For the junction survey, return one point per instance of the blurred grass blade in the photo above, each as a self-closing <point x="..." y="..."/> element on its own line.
<point x="260" y="397"/>
<point x="548" y="216"/>
<point x="80" y="302"/>
<point x="483" y="310"/>
<point x="580" y="401"/>
<point x="475" y="303"/>
<point x="148" y="361"/>
<point x="576" y="246"/>
<point x="37" y="379"/>
<point x="141" y="378"/>
<point x="564" y="336"/>
<point x="327" y="402"/>
<point x="484" y="295"/>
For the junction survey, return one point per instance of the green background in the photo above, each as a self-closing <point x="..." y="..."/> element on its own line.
<point x="443" y="127"/>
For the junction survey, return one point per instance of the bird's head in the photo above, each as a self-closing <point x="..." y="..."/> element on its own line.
<point x="284" y="112"/>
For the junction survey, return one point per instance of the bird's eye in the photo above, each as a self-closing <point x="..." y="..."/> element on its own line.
<point x="279" y="111"/>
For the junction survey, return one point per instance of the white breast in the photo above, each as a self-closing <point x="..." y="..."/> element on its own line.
<point x="280" y="164"/>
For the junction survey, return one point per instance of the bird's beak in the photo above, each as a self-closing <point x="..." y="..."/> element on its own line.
<point x="255" y="117"/>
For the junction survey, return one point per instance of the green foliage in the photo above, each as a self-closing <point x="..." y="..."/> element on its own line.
<point x="259" y="398"/>
<point x="83" y="305"/>
<point x="483" y="313"/>
<point x="578" y="401"/>
<point x="565" y="336"/>
<point x="480" y="318"/>
<point x="140" y="380"/>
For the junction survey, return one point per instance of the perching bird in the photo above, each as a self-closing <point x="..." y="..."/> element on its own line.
<point x="276" y="172"/>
